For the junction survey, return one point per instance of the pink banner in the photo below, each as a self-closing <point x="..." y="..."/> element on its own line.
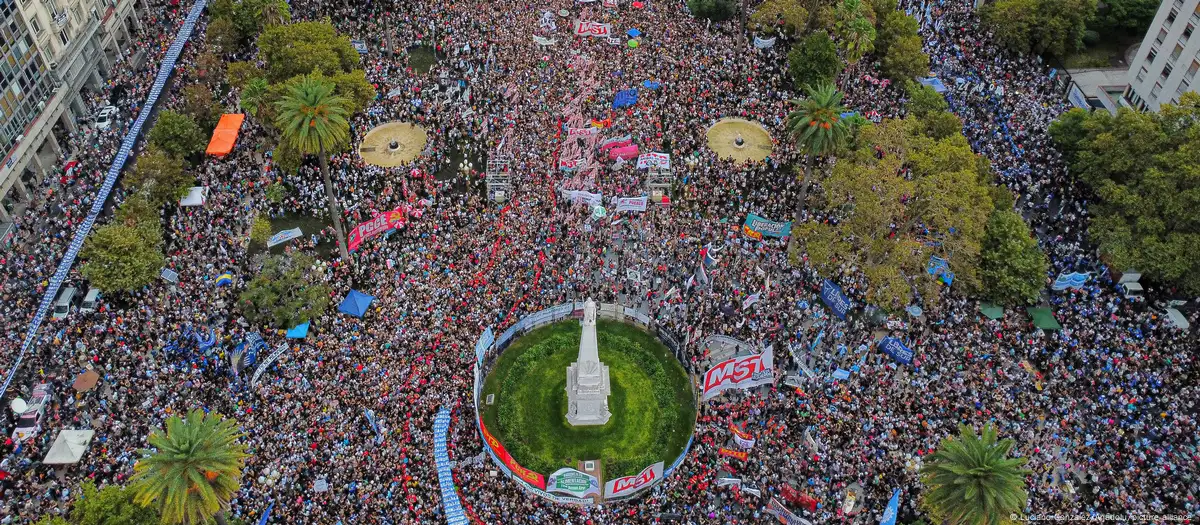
<point x="626" y="152"/>
<point x="385" y="221"/>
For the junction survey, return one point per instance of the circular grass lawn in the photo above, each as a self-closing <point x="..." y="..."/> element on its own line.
<point x="652" y="405"/>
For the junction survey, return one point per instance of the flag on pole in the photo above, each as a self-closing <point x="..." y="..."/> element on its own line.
<point x="893" y="508"/>
<point x="266" y="515"/>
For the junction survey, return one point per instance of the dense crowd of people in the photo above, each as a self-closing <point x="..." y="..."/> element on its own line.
<point x="1104" y="408"/>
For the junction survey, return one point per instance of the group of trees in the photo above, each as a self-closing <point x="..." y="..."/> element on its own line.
<point x="287" y="292"/>
<point x="1141" y="167"/>
<point x="189" y="477"/>
<point x="311" y="85"/>
<point x="905" y="191"/>
<point x="1039" y="26"/>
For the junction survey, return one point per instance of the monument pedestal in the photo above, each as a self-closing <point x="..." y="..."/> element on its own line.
<point x="588" y="384"/>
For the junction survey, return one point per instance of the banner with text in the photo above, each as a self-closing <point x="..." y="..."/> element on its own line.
<point x="757" y="227"/>
<point x="740" y="372"/>
<point x="741" y="437"/>
<point x="522" y="473"/>
<point x="573" y="482"/>
<point x="654" y="160"/>
<point x="630" y="485"/>
<point x="388" y="220"/>
<point x="631" y="203"/>
<point x="592" y="29"/>
<point x="833" y="297"/>
<point x="896" y="349"/>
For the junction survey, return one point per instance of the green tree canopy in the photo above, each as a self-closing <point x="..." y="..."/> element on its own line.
<point x="111" y="505"/>
<point x="1013" y="267"/>
<point x="239" y="74"/>
<point x="814" y="61"/>
<point x="972" y="481"/>
<point x="194" y="469"/>
<point x="715" y="10"/>
<point x="199" y="103"/>
<point x="1039" y="26"/>
<point x="285" y="293"/>
<point x="789" y="16"/>
<point x="313" y="120"/>
<point x="1142" y="167"/>
<point x="890" y="223"/>
<point x="900" y="48"/>
<point x="302" y="48"/>
<point x="122" y="258"/>
<point x="222" y="35"/>
<point x="177" y="134"/>
<point x="923" y="100"/>
<point x="159" y="176"/>
<point x="254" y="96"/>
<point x="854" y="26"/>
<point x="1125" y="16"/>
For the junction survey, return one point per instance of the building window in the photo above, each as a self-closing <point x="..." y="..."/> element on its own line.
<point x="1154" y="92"/>
<point x="1162" y="36"/>
<point x="62" y="35"/>
<point x="36" y="25"/>
<point x="1166" y="72"/>
<point x="1151" y="55"/>
<point x="1171" y="17"/>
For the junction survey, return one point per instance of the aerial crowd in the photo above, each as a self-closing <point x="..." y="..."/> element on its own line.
<point x="1105" y="409"/>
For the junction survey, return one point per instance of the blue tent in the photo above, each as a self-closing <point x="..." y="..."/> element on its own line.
<point x="356" y="303"/>
<point x="299" y="331"/>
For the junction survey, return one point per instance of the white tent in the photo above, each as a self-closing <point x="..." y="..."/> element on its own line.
<point x="1177" y="319"/>
<point x="196" y="196"/>
<point x="68" y="447"/>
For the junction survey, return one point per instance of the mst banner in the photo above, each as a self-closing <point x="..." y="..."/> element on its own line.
<point x="522" y="473"/>
<point x="630" y="485"/>
<point x="573" y="482"/>
<point x="740" y="372"/>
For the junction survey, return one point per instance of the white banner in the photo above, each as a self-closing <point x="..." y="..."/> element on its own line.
<point x="592" y="29"/>
<point x="631" y="203"/>
<point x="573" y="482"/>
<point x="610" y="3"/>
<point x="284" y="236"/>
<point x="653" y="159"/>
<point x="583" y="197"/>
<point x="543" y="41"/>
<point x="630" y="485"/>
<point x="764" y="43"/>
<point x="270" y="360"/>
<point x="727" y="482"/>
<point x="740" y="372"/>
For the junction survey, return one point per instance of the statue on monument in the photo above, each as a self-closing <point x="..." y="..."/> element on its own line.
<point x="587" y="378"/>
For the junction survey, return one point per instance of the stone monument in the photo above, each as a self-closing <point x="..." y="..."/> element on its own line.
<point x="587" y="378"/>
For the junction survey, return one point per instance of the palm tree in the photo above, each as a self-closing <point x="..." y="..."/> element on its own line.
<point x="971" y="481"/>
<point x="193" y="470"/>
<point x="274" y="12"/>
<point x="313" y="120"/>
<point x="253" y="95"/>
<point x="818" y="129"/>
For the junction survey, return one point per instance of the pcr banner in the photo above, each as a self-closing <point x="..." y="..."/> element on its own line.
<point x="631" y="203"/>
<point x="733" y="454"/>
<point x="630" y="485"/>
<point x="522" y="473"/>
<point x="592" y="29"/>
<point x="653" y="159"/>
<point x="740" y="372"/>
<point x="573" y="482"/>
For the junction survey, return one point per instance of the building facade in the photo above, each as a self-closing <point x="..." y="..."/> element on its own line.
<point x="55" y="55"/>
<point x="1165" y="65"/>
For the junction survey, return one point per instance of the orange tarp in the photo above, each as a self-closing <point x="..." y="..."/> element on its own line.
<point x="226" y="134"/>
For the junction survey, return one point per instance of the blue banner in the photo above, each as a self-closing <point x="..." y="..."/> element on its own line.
<point x="485" y="341"/>
<point x="110" y="180"/>
<point x="450" y="502"/>
<point x="896" y="349"/>
<point x="833" y="297"/>
<point x="1069" y="280"/>
<point x="893" y="508"/>
<point x="758" y="227"/>
<point x="625" y="98"/>
<point x="939" y="267"/>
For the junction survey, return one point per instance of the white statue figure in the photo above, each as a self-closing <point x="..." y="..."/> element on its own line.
<point x="587" y="378"/>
